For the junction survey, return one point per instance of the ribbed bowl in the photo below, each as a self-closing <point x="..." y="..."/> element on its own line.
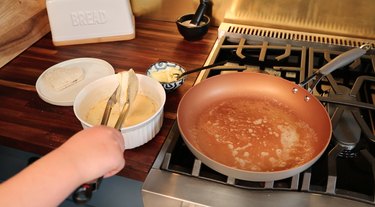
<point x="135" y="135"/>
<point x="164" y="65"/>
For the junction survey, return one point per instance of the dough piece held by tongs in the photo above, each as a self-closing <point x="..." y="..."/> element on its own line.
<point x="127" y="80"/>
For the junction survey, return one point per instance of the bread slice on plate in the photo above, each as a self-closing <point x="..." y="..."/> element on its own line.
<point x="61" y="78"/>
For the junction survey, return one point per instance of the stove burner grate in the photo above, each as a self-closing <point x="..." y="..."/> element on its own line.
<point x="179" y="159"/>
<point x="347" y="167"/>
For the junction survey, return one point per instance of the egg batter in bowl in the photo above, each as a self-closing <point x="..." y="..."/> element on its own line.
<point x="144" y="119"/>
<point x="142" y="109"/>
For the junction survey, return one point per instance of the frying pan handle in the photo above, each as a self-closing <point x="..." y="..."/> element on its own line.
<point x="338" y="62"/>
<point x="343" y="59"/>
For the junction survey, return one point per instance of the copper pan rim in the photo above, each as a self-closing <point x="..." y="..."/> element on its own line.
<point x="243" y="81"/>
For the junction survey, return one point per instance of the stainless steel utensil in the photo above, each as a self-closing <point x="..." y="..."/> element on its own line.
<point x="108" y="108"/>
<point x="124" y="110"/>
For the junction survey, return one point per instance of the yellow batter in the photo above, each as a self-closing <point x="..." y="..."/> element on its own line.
<point x="142" y="109"/>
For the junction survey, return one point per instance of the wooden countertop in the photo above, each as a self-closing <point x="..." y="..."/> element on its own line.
<point x="30" y="124"/>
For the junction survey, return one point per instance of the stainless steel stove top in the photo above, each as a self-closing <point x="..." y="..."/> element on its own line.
<point x="345" y="175"/>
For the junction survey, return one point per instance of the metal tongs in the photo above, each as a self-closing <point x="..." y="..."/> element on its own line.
<point x="84" y="193"/>
<point x="124" y="111"/>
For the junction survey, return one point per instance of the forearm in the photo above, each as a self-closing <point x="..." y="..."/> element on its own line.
<point x="87" y="155"/>
<point x="47" y="182"/>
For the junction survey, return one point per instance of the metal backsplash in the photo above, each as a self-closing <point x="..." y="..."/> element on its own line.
<point x="348" y="18"/>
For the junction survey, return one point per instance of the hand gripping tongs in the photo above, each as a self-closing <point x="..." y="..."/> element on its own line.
<point x="84" y="193"/>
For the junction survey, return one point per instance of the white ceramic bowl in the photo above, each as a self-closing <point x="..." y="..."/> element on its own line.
<point x="135" y="135"/>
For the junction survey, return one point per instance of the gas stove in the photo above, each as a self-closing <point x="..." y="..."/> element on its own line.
<point x="344" y="175"/>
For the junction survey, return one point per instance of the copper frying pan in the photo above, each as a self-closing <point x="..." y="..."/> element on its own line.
<point x="255" y="126"/>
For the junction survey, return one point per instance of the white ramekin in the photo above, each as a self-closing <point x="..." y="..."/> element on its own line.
<point x="135" y="135"/>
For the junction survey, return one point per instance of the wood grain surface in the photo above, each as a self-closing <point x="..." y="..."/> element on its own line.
<point x="22" y="23"/>
<point x="30" y="124"/>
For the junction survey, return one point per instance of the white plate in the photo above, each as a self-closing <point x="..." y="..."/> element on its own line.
<point x="93" y="69"/>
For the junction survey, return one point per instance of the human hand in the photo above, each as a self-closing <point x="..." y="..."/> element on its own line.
<point x="95" y="152"/>
<point x="86" y="156"/>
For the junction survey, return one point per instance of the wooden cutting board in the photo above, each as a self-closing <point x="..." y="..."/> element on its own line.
<point x="22" y="23"/>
